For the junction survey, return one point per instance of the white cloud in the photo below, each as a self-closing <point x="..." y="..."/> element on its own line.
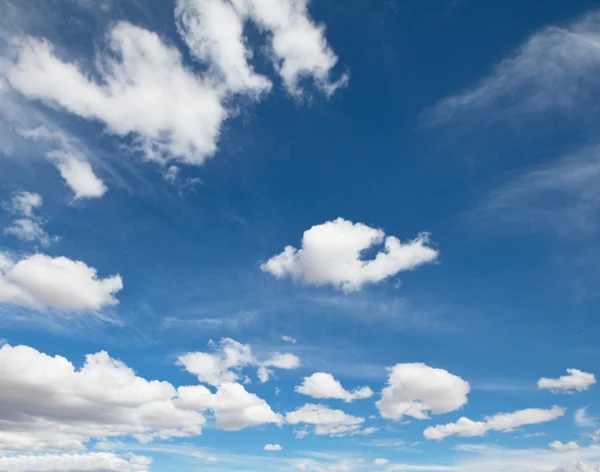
<point x="289" y="339"/>
<point x="279" y="361"/>
<point x="331" y="254"/>
<point x="221" y="366"/>
<point x="325" y="420"/>
<point x="560" y="447"/>
<point x="90" y="462"/>
<point x="381" y="462"/>
<point x="504" y="422"/>
<point x="39" y="281"/>
<point x="554" y="70"/>
<point x="213" y="30"/>
<point x="70" y="162"/>
<point x="323" y="385"/>
<point x="28" y="228"/>
<point x="147" y="92"/>
<point x="576" y="380"/>
<point x="579" y="467"/>
<point x="23" y="203"/>
<point x="273" y="447"/>
<point x="418" y="390"/>
<point x="583" y="419"/>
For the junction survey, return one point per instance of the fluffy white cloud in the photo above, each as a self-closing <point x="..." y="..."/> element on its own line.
<point x="504" y="422"/>
<point x="279" y="361"/>
<point x="224" y="365"/>
<point x="323" y="385"/>
<point x="39" y="281"/>
<point x="554" y="70"/>
<point x="273" y="447"/>
<point x="213" y="30"/>
<point x="381" y="462"/>
<point x="147" y="92"/>
<point x="91" y="462"/>
<point x="289" y="339"/>
<point x="559" y="446"/>
<point x="331" y="254"/>
<point x="418" y="390"/>
<point x="576" y="380"/>
<point x="325" y="420"/>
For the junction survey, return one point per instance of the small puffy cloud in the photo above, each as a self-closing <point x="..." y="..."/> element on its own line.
<point x="381" y="462"/>
<point x="273" y="447"/>
<point x="504" y="422"/>
<point x="90" y="462"/>
<point x="322" y="385"/>
<point x="331" y="254"/>
<point x="279" y="361"/>
<point x="417" y="390"/>
<point x="39" y="281"/>
<point x="560" y="447"/>
<point x="576" y="380"/>
<point x="325" y="420"/>
<point x="223" y="365"/>
<point x="289" y="339"/>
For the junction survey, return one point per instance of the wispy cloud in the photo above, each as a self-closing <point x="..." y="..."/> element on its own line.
<point x="555" y="70"/>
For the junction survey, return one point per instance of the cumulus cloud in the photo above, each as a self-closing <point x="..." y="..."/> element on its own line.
<point x="144" y="90"/>
<point x="279" y="361"/>
<point x="331" y="254"/>
<point x="48" y="404"/>
<point x="29" y="226"/>
<point x="325" y="420"/>
<point x="224" y="365"/>
<point x="417" y="390"/>
<point x="559" y="446"/>
<point x="504" y="422"/>
<point x="574" y="381"/>
<point x="90" y="462"/>
<point x="39" y="281"/>
<point x="381" y="462"/>
<point x="554" y="70"/>
<point x="273" y="447"/>
<point x="322" y="385"/>
<point x="289" y="339"/>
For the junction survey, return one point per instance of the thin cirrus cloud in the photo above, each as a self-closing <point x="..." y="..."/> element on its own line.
<point x="331" y="255"/>
<point x="417" y="390"/>
<point x="321" y="385"/>
<point x="39" y="281"/>
<point x="504" y="422"/>
<point x="574" y="381"/>
<point x="556" y="69"/>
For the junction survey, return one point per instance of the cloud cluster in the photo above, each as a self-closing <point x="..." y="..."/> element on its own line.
<point x="321" y="385"/>
<point x="90" y="462"/>
<point x="229" y="358"/>
<point x="39" y="282"/>
<point x="417" y="390"/>
<point x="503" y="422"/>
<point x="331" y="253"/>
<point x="48" y="404"/>
<point x="563" y="447"/>
<point x="574" y="381"/>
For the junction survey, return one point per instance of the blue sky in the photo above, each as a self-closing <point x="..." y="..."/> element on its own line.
<point x="278" y="235"/>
